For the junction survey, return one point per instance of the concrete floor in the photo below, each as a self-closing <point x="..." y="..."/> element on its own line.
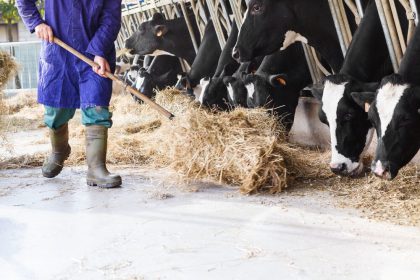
<point x="151" y="229"/>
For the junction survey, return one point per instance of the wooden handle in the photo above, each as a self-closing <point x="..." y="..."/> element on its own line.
<point x="109" y="75"/>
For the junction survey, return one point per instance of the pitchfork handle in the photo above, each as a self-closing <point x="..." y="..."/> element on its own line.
<point x="109" y="75"/>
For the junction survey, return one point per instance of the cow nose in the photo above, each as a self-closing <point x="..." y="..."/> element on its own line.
<point x="381" y="170"/>
<point x="236" y="54"/>
<point x="338" y="168"/>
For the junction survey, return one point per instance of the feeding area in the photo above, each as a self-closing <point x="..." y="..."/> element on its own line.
<point x="240" y="156"/>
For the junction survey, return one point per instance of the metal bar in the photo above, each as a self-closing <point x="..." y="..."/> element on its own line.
<point x="387" y="34"/>
<point x="415" y="11"/>
<point x="392" y="29"/>
<point x="216" y="22"/>
<point x="337" y="27"/>
<point x="190" y="28"/>
<point x="360" y="8"/>
<point x="398" y="26"/>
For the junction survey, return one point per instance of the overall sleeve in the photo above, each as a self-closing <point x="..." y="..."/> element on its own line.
<point x="29" y="13"/>
<point x="109" y="26"/>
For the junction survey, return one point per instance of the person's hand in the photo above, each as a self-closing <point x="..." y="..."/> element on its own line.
<point x="101" y="67"/>
<point x="44" y="32"/>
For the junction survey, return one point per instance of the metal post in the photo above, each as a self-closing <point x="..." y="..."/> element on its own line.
<point x="190" y="28"/>
<point x="337" y="27"/>
<point x="392" y="54"/>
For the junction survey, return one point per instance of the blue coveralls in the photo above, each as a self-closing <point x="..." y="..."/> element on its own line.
<point x="65" y="82"/>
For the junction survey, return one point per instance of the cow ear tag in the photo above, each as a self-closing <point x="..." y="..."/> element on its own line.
<point x="160" y="33"/>
<point x="367" y="107"/>
<point x="281" y="81"/>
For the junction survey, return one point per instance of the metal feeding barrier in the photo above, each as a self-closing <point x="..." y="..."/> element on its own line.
<point x="26" y="55"/>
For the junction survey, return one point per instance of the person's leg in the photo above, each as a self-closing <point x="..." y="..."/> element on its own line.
<point x="57" y="121"/>
<point x="97" y="121"/>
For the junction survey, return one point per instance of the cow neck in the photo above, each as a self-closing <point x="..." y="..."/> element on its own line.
<point x="367" y="58"/>
<point x="410" y="64"/>
<point x="183" y="48"/>
<point x="320" y="33"/>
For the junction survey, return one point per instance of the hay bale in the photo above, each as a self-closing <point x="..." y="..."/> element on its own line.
<point x="247" y="148"/>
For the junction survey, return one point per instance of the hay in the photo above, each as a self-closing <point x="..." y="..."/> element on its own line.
<point x="8" y="68"/>
<point x="246" y="148"/>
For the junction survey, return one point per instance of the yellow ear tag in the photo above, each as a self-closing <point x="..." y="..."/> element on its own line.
<point x="281" y="81"/>
<point x="367" y="107"/>
<point x="160" y="33"/>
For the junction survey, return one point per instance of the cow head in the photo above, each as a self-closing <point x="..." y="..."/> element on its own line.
<point x="260" y="88"/>
<point x="185" y="83"/>
<point x="395" y="113"/>
<point x="261" y="33"/>
<point x="144" y="83"/>
<point x="350" y="129"/>
<point x="237" y="93"/>
<point x="213" y="93"/>
<point x="149" y="38"/>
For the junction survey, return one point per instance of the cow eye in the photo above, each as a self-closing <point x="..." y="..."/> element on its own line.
<point x="256" y="8"/>
<point x="348" y="117"/>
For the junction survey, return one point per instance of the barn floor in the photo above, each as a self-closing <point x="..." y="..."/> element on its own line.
<point x="153" y="229"/>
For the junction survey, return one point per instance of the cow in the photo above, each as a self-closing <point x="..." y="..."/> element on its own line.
<point x="270" y="25"/>
<point x="395" y="113"/>
<point x="161" y="73"/>
<point x="205" y="62"/>
<point x="226" y="66"/>
<point x="215" y="92"/>
<point x="276" y="84"/>
<point x="366" y="62"/>
<point x="160" y="36"/>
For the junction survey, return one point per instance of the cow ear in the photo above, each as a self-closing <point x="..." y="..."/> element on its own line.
<point x="158" y="17"/>
<point x="363" y="99"/>
<point x="278" y="81"/>
<point x="228" y="80"/>
<point x="317" y="90"/>
<point x="161" y="30"/>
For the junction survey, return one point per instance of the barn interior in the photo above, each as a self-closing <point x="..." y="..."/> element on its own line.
<point x="215" y="194"/>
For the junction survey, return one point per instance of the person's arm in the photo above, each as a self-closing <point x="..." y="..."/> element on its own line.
<point x="109" y="25"/>
<point x="29" y="13"/>
<point x="32" y="18"/>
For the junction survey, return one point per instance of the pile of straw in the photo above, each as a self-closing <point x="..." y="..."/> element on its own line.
<point x="8" y="68"/>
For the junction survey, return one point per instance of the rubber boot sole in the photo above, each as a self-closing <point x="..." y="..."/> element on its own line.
<point x="104" y="185"/>
<point x="51" y="175"/>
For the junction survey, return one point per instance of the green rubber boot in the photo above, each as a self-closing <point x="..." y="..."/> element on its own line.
<point x="60" y="152"/>
<point x="96" y="146"/>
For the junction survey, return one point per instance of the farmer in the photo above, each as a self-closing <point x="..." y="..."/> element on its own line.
<point x="66" y="83"/>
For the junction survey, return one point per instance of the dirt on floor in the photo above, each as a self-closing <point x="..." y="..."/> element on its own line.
<point x="397" y="201"/>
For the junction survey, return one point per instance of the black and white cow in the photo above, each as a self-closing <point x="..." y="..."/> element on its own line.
<point x="395" y="113"/>
<point x="270" y="25"/>
<point x="160" y="36"/>
<point x="161" y="73"/>
<point x="366" y="62"/>
<point x="215" y="91"/>
<point x="276" y="84"/>
<point x="205" y="62"/>
<point x="226" y="66"/>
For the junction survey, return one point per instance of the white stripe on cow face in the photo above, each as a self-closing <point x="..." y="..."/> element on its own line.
<point x="230" y="92"/>
<point x="203" y="84"/>
<point x="332" y="95"/>
<point x="250" y="90"/>
<point x="139" y="82"/>
<point x="387" y="99"/>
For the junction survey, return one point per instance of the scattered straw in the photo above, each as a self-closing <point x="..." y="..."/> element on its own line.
<point x="246" y="148"/>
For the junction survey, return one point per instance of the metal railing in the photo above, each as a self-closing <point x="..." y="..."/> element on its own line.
<point x="26" y="55"/>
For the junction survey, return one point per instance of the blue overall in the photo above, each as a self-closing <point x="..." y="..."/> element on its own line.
<point x="89" y="26"/>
